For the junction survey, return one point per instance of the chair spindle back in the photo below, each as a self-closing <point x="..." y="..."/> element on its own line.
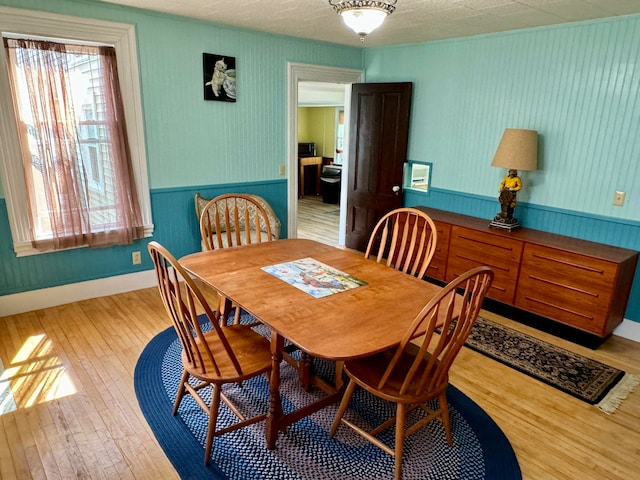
<point x="235" y="219"/>
<point x="183" y="300"/>
<point x="406" y="238"/>
<point x="457" y="306"/>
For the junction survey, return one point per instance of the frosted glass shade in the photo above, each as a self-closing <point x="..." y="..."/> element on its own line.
<point x="363" y="21"/>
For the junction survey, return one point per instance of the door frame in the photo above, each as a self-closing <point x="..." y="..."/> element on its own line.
<point x="302" y="72"/>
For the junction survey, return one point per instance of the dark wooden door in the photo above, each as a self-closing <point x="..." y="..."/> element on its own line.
<point x="379" y="131"/>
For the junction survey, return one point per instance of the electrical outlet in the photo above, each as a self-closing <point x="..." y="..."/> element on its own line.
<point x="136" y="259"/>
<point x="281" y="169"/>
<point x="618" y="199"/>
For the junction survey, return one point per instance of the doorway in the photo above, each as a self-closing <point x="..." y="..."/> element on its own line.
<point x="304" y="73"/>
<point x="320" y="147"/>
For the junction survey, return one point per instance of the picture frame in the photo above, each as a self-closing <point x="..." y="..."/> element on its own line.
<point x="219" y="77"/>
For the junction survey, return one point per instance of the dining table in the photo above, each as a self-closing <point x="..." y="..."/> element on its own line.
<point x="336" y="324"/>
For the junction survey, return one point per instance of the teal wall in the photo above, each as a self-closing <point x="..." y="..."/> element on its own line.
<point x="192" y="144"/>
<point x="176" y="227"/>
<point x="577" y="85"/>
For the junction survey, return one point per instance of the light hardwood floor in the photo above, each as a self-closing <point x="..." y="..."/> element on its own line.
<point x="70" y="371"/>
<point x="317" y="220"/>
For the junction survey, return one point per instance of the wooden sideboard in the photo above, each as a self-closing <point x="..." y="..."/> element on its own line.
<point x="582" y="284"/>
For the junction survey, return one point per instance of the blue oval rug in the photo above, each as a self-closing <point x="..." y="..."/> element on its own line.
<point x="305" y="451"/>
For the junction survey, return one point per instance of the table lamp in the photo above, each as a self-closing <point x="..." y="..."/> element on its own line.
<point x="518" y="150"/>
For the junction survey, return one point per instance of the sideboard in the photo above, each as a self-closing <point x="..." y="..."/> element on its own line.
<point x="578" y="283"/>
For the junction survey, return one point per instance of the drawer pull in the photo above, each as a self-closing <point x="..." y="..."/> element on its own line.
<point x="475" y="240"/>
<point x="571" y="264"/>
<point x="553" y="305"/>
<point x="563" y="285"/>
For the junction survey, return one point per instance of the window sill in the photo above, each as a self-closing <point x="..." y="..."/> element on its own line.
<point x="24" y="249"/>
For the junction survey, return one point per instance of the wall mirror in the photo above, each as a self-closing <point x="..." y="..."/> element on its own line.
<point x="417" y="175"/>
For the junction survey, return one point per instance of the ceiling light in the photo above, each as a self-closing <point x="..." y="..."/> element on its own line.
<point x="363" y="16"/>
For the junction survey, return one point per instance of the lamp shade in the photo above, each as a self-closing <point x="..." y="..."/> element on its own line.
<point x="518" y="149"/>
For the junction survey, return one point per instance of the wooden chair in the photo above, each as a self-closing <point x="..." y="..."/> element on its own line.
<point x="232" y="220"/>
<point x="406" y="239"/>
<point x="235" y="219"/>
<point x="417" y="370"/>
<point x="220" y="356"/>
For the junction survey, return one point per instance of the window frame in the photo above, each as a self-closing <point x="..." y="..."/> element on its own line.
<point x="122" y="36"/>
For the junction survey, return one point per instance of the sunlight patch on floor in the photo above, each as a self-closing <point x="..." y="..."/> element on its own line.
<point x="7" y="402"/>
<point x="36" y="375"/>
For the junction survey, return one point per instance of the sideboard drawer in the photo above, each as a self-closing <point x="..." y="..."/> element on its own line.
<point x="470" y="248"/>
<point x="572" y="288"/>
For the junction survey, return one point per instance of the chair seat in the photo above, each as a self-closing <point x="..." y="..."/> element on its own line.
<point x="251" y="350"/>
<point x="368" y="371"/>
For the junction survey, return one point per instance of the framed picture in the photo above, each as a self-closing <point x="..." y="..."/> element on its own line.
<point x="219" y="77"/>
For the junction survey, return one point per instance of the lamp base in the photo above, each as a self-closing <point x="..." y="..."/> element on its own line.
<point x="504" y="223"/>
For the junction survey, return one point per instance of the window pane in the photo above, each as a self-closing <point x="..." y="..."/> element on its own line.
<point x="85" y="82"/>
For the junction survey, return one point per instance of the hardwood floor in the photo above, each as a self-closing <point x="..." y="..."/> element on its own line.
<point x="70" y="369"/>
<point x="317" y="220"/>
<point x="70" y="374"/>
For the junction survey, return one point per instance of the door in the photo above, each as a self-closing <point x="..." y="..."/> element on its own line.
<point x="379" y="131"/>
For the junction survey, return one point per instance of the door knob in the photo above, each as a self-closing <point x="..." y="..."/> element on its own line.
<point x="395" y="189"/>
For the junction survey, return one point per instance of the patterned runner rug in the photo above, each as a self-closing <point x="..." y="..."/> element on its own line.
<point x="305" y="451"/>
<point x="589" y="380"/>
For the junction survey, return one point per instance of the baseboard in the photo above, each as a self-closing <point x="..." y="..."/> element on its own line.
<point x="74" y="292"/>
<point x="628" y="329"/>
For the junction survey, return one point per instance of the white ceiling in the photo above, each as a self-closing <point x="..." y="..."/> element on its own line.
<point x="414" y="21"/>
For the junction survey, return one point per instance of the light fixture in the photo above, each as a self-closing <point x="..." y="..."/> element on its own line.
<point x="363" y="16"/>
<point x="518" y="150"/>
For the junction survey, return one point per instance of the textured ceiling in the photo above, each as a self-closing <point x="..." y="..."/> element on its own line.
<point x="414" y="21"/>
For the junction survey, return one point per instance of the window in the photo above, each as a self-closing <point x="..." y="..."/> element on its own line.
<point x="89" y="150"/>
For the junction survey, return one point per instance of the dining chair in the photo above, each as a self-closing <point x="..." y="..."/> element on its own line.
<point x="213" y="354"/>
<point x="405" y="239"/>
<point x="231" y="220"/>
<point x="417" y="370"/>
<point x="235" y="219"/>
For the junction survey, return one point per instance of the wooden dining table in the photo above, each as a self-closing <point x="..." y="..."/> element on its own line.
<point x="346" y="325"/>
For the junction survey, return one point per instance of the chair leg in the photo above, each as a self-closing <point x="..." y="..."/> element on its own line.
<point x="444" y="416"/>
<point x="213" y="418"/>
<point x="343" y="406"/>
<point x="400" y="420"/>
<point x="181" y="391"/>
